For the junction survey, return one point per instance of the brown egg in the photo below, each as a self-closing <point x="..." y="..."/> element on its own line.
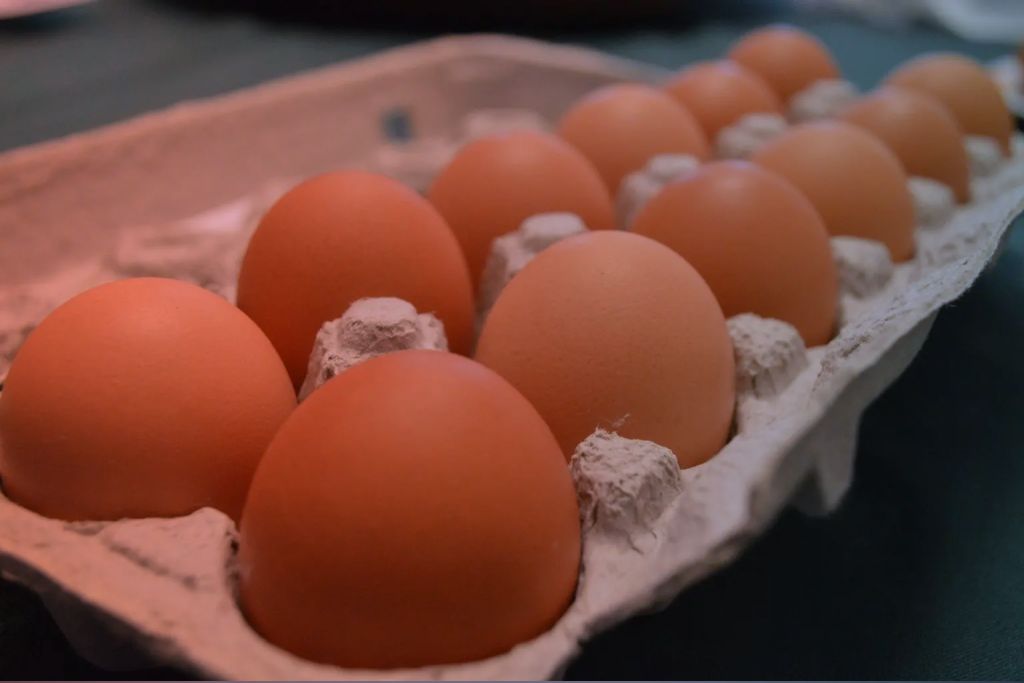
<point x="719" y="94"/>
<point x="140" y="398"/>
<point x="495" y="183"/>
<point x="345" y="236"/>
<point x="854" y="181"/>
<point x="786" y="57"/>
<point x="612" y="330"/>
<point x="755" y="239"/>
<point x="415" y="510"/>
<point x="965" y="88"/>
<point x="920" y="131"/>
<point x="620" y="127"/>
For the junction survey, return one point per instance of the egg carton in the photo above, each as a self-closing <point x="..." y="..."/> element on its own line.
<point x="134" y="593"/>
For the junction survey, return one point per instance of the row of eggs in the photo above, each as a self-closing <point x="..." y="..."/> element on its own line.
<point x="416" y="509"/>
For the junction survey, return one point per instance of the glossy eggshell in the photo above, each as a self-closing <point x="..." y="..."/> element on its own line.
<point x="414" y="510"/>
<point x="788" y="59"/>
<point x="920" y="131"/>
<point x="755" y="239"/>
<point x="612" y="330"/>
<point x="495" y="183"/>
<point x="719" y="94"/>
<point x="140" y="398"/>
<point x="855" y="182"/>
<point x="343" y="236"/>
<point x="621" y="127"/>
<point x="965" y="88"/>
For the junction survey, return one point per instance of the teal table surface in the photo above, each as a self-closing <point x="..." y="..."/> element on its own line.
<point x="919" y="575"/>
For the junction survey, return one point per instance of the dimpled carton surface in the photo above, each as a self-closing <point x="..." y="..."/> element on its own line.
<point x="178" y="192"/>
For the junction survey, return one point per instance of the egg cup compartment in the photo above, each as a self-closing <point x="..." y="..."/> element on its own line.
<point x="138" y="592"/>
<point x="821" y="100"/>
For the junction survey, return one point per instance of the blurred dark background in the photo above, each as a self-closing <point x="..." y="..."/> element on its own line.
<point x="112" y="59"/>
<point x="920" y="575"/>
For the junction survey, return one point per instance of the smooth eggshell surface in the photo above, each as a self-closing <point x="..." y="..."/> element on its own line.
<point x="414" y="510"/>
<point x="140" y="398"/>
<point x="965" y="88"/>
<point x="495" y="183"/>
<point x="616" y="331"/>
<point x="621" y="127"/>
<point x="854" y="181"/>
<point x="755" y="239"/>
<point x="341" y="237"/>
<point x="920" y="131"/>
<point x="719" y="94"/>
<point x="787" y="58"/>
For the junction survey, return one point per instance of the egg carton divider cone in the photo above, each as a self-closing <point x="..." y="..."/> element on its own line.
<point x="140" y="592"/>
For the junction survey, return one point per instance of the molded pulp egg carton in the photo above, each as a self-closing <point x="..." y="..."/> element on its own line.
<point x="138" y="592"/>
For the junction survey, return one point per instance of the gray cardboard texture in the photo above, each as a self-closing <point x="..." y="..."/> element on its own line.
<point x="134" y="592"/>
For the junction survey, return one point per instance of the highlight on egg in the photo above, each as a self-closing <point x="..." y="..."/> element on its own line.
<point x="145" y="397"/>
<point x="964" y="87"/>
<point x="920" y="131"/>
<point x="415" y="510"/>
<point x="621" y="127"/>
<point x="720" y="93"/>
<point x="495" y="183"/>
<point x="788" y="59"/>
<point x="756" y="240"/>
<point x="344" y="236"/>
<point x="854" y="181"/>
<point x="615" y="331"/>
